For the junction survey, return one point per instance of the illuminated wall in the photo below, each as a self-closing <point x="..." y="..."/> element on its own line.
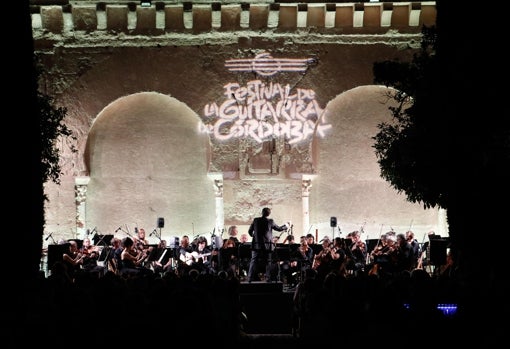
<point x="206" y="129"/>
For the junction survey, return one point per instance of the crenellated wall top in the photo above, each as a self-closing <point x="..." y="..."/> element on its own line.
<point x="80" y="22"/>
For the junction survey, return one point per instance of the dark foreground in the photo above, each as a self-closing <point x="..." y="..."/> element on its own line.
<point x="208" y="311"/>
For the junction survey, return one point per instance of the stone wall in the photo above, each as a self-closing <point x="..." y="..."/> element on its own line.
<point x="141" y="102"/>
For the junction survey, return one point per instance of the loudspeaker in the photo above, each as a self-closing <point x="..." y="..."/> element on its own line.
<point x="332" y="222"/>
<point x="161" y="222"/>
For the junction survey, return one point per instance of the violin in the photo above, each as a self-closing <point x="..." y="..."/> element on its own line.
<point x="84" y="251"/>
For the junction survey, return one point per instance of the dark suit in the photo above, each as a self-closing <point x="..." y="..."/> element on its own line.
<point x="261" y="231"/>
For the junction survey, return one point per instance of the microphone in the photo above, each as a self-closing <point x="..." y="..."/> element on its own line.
<point x="153" y="232"/>
<point x="47" y="237"/>
<point x="93" y="230"/>
<point x="119" y="228"/>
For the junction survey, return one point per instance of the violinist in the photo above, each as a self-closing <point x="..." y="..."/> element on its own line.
<point x="379" y="256"/>
<point x="322" y="260"/>
<point x="141" y="243"/>
<point x="90" y="255"/>
<point x="132" y="259"/>
<point x="73" y="259"/>
<point x="301" y="258"/>
<point x="379" y="250"/>
<point x="385" y="257"/>
<point x="339" y="257"/>
<point x="405" y="260"/>
<point x="305" y="254"/>
<point x="88" y="248"/>
<point x="356" y="252"/>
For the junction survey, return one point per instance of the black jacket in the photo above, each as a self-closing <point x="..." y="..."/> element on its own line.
<point x="261" y="231"/>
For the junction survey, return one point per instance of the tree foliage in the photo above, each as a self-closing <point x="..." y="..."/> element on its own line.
<point x="53" y="129"/>
<point x="409" y="159"/>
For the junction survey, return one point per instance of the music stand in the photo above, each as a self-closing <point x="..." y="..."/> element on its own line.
<point x="104" y="240"/>
<point x="371" y="244"/>
<point x="282" y="253"/>
<point x="168" y="255"/>
<point x="55" y="254"/>
<point x="294" y="247"/>
<point x="154" y="254"/>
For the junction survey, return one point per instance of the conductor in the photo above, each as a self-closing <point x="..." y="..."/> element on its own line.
<point x="262" y="246"/>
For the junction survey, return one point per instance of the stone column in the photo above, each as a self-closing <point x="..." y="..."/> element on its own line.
<point x="80" y="190"/>
<point x="217" y="179"/>
<point x="306" y="186"/>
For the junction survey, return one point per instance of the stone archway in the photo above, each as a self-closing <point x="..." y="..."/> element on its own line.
<point x="147" y="159"/>
<point x="348" y="183"/>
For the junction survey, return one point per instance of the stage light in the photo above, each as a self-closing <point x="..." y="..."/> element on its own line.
<point x="145" y="3"/>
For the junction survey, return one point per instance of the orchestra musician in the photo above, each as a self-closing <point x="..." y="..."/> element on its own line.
<point x="378" y="256"/>
<point x="243" y="260"/>
<point x="405" y="258"/>
<point x="141" y="243"/>
<point x="300" y="259"/>
<point x="73" y="259"/>
<point x="384" y="256"/>
<point x="290" y="240"/>
<point x="229" y="257"/>
<point x="90" y="254"/>
<point x="163" y="261"/>
<point x="416" y="247"/>
<point x="132" y="259"/>
<point x="232" y="233"/>
<point x="339" y="257"/>
<point x="244" y="238"/>
<point x="183" y="251"/>
<point x="322" y="260"/>
<point x="356" y="252"/>
<point x="200" y="256"/>
<point x="113" y="259"/>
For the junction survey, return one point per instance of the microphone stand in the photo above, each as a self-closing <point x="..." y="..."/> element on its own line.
<point x="52" y="239"/>
<point x="155" y="232"/>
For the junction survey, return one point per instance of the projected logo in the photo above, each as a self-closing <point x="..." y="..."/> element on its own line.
<point x="262" y="111"/>
<point x="265" y="65"/>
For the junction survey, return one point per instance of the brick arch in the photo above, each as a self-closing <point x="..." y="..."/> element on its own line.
<point x="147" y="159"/>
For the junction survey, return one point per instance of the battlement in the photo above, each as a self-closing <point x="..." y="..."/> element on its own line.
<point x="70" y="20"/>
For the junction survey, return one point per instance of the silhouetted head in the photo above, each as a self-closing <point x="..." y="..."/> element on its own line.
<point x="266" y="211"/>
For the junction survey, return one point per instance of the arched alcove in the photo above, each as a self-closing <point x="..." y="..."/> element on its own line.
<point x="348" y="183"/>
<point x="147" y="159"/>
